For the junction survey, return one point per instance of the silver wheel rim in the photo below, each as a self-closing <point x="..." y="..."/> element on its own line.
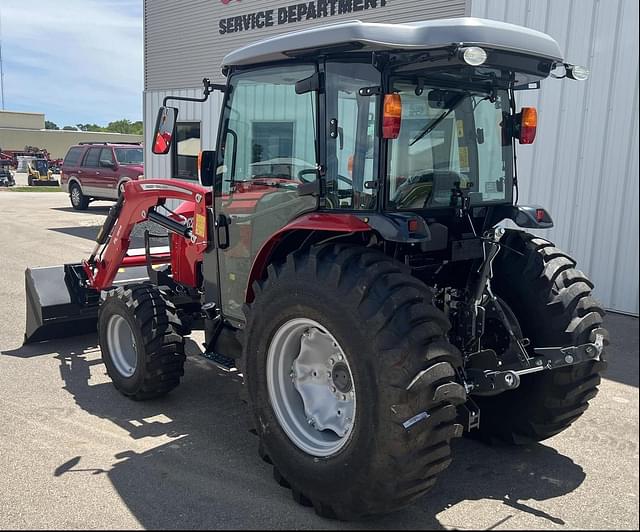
<point x="311" y="387"/>
<point x="75" y="196"/>
<point x="122" y="346"/>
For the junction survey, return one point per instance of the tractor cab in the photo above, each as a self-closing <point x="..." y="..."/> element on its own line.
<point x="410" y="131"/>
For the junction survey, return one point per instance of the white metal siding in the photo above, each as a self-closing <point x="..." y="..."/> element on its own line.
<point x="159" y="166"/>
<point x="584" y="164"/>
<point x="183" y="44"/>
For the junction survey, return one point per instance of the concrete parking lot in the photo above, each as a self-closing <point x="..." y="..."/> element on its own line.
<point x="74" y="453"/>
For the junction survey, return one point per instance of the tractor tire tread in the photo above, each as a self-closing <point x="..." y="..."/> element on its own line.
<point x="380" y="292"/>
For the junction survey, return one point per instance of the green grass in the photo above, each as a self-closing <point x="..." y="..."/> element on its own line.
<point x="34" y="189"/>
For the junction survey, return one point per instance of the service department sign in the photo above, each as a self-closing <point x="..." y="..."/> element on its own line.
<point x="317" y="9"/>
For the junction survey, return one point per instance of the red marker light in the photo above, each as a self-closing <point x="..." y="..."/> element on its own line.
<point x="540" y="215"/>
<point x="414" y="226"/>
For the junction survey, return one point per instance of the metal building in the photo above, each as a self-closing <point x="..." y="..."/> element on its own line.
<point x="583" y="166"/>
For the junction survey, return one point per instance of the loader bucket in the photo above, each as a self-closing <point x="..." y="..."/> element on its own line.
<point x="57" y="306"/>
<point x="46" y="183"/>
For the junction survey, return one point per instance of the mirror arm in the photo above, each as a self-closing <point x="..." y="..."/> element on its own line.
<point x="208" y="89"/>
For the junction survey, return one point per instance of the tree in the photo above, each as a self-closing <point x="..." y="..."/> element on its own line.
<point x="120" y="126"/>
<point x="89" y="127"/>
<point x="138" y="129"/>
<point x="50" y="125"/>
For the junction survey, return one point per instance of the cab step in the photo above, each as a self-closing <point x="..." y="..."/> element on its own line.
<point x="226" y="364"/>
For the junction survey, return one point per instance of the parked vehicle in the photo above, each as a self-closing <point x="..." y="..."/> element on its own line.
<point x="6" y="176"/>
<point x="38" y="172"/>
<point x="99" y="171"/>
<point x="372" y="300"/>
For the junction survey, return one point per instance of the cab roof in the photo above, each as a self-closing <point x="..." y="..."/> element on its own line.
<point x="370" y="36"/>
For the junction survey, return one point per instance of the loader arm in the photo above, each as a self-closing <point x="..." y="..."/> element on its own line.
<point x="137" y="204"/>
<point x="63" y="300"/>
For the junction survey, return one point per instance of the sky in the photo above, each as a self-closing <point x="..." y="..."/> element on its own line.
<point x="77" y="61"/>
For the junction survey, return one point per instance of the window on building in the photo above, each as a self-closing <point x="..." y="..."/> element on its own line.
<point x="187" y="148"/>
<point x="272" y="143"/>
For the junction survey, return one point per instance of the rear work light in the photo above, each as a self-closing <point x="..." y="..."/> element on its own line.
<point x="392" y="116"/>
<point x="473" y="55"/>
<point x="528" y="125"/>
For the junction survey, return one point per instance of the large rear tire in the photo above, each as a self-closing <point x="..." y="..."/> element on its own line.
<point x="552" y="302"/>
<point x="141" y="341"/>
<point x="397" y="362"/>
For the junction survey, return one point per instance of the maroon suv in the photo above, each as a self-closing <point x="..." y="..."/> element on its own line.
<point x="99" y="170"/>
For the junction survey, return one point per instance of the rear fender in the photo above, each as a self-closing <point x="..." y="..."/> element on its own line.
<point x="337" y="224"/>
<point x="527" y="216"/>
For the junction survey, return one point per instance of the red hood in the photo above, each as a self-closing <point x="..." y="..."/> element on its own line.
<point x="131" y="170"/>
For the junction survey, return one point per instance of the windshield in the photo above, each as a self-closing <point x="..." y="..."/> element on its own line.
<point x="41" y="166"/>
<point x="449" y="138"/>
<point x="129" y="155"/>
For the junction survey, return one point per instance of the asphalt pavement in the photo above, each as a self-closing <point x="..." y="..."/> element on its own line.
<point x="74" y="453"/>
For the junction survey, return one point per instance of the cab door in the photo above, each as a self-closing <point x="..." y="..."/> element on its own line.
<point x="267" y="149"/>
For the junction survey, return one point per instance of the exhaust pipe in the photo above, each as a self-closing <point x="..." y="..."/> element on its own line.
<point x="58" y="304"/>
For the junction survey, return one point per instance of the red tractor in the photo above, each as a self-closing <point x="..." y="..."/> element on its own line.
<point x="346" y="253"/>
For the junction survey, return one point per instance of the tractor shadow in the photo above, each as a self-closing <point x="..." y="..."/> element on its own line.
<point x="102" y="208"/>
<point x="208" y="472"/>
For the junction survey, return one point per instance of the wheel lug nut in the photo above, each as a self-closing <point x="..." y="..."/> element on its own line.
<point x="343" y="397"/>
<point x="333" y="389"/>
<point x="340" y="357"/>
<point x="331" y="362"/>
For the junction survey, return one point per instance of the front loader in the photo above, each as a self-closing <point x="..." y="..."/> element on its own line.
<point x="347" y="253"/>
<point x="39" y="173"/>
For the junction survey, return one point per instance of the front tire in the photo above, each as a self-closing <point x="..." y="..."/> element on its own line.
<point x="141" y="341"/>
<point x="552" y="302"/>
<point x="397" y="361"/>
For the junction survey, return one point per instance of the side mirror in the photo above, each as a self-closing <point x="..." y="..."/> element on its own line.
<point x="207" y="167"/>
<point x="164" y="131"/>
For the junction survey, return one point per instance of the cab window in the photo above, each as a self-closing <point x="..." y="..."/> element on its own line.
<point x="352" y="142"/>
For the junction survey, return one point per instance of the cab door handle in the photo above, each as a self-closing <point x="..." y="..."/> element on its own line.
<point x="222" y="226"/>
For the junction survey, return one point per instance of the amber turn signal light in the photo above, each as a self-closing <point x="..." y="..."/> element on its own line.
<point x="392" y="116"/>
<point x="528" y="125"/>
